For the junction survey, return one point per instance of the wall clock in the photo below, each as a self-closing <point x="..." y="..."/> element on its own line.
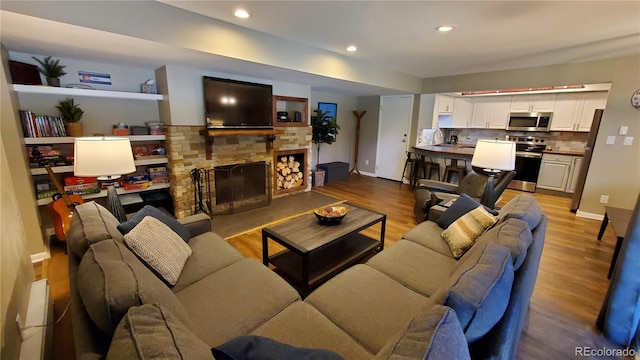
<point x="635" y="100"/>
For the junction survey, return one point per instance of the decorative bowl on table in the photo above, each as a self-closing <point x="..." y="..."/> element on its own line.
<point x="330" y="215"/>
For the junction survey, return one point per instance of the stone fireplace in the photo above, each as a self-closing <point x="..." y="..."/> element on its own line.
<point x="186" y="150"/>
<point x="241" y="187"/>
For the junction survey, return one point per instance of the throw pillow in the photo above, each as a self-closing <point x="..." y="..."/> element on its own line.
<point x="159" y="247"/>
<point x="463" y="232"/>
<point x="251" y="347"/>
<point x="461" y="206"/>
<point x="148" y="210"/>
<point x="111" y="279"/>
<point x="151" y="331"/>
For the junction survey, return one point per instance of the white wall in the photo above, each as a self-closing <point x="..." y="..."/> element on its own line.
<point x="342" y="149"/>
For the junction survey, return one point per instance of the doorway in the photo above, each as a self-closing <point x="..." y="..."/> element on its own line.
<point x="393" y="135"/>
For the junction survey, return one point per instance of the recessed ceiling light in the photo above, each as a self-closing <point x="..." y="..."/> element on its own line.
<point x="445" y="28"/>
<point x="242" y="13"/>
<point x="352" y="48"/>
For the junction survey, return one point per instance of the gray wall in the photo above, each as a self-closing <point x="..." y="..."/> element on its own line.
<point x="368" y="133"/>
<point x="615" y="169"/>
<point x="16" y="270"/>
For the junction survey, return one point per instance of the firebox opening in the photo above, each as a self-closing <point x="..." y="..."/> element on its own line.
<point x="241" y="187"/>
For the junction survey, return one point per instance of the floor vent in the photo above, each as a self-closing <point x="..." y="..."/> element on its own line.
<point x="37" y="334"/>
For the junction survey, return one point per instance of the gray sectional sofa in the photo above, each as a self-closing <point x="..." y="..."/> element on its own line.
<point x="412" y="300"/>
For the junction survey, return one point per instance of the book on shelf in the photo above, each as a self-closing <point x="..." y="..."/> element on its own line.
<point x="41" y="125"/>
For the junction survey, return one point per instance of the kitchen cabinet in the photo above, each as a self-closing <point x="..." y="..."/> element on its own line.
<point x="576" y="163"/>
<point x="490" y="112"/>
<point x="462" y="109"/>
<point x="554" y="172"/>
<point x="533" y="103"/>
<point x="574" y="111"/>
<point x="445" y="104"/>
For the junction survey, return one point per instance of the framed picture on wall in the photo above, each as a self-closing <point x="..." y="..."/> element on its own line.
<point x="331" y="108"/>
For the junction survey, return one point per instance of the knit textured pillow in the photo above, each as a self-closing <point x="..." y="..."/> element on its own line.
<point x="463" y="232"/>
<point x="159" y="247"/>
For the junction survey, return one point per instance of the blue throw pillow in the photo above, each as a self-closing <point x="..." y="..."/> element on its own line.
<point x="149" y="210"/>
<point x="253" y="347"/>
<point x="463" y="204"/>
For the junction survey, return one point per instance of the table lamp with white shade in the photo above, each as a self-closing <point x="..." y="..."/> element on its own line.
<point x="106" y="158"/>
<point x="494" y="156"/>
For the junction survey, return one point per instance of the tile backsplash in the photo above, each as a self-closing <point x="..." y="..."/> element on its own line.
<point x="556" y="140"/>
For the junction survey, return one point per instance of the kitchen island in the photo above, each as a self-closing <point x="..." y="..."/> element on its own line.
<point x="438" y="154"/>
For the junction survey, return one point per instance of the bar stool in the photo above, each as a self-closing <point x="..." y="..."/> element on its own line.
<point x="413" y="161"/>
<point x="428" y="166"/>
<point x="454" y="168"/>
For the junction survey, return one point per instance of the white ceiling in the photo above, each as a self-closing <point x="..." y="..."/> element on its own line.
<point x="394" y="36"/>
<point x="489" y="35"/>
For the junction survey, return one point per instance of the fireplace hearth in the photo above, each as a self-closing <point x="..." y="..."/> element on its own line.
<point x="241" y="187"/>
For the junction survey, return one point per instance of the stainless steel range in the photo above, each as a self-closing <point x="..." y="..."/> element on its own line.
<point x="528" y="160"/>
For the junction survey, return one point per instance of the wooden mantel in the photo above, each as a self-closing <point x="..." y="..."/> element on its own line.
<point x="210" y="134"/>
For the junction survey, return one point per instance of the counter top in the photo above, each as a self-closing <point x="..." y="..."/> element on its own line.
<point x="460" y="150"/>
<point x="564" y="152"/>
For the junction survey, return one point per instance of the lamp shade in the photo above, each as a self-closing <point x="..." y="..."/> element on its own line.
<point x="494" y="155"/>
<point x="102" y="156"/>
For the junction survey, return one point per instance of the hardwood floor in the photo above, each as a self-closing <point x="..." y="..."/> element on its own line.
<point x="571" y="284"/>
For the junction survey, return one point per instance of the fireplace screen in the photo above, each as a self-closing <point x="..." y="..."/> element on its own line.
<point x="241" y="187"/>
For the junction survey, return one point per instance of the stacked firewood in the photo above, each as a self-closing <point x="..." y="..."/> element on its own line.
<point x="289" y="173"/>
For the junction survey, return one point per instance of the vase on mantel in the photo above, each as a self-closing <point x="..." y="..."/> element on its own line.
<point x="74" y="129"/>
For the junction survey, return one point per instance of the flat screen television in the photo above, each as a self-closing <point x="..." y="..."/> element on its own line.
<point x="233" y="104"/>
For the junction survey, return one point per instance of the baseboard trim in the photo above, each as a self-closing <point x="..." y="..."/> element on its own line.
<point x="367" y="174"/>
<point x="586" y="215"/>
<point x="35" y="258"/>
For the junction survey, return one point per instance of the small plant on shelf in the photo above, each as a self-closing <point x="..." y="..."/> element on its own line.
<point x="71" y="114"/>
<point x="51" y="69"/>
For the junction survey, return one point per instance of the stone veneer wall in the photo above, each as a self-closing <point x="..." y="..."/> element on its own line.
<point x="186" y="151"/>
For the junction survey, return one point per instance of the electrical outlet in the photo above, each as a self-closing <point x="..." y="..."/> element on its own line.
<point x="628" y="140"/>
<point x="623" y="130"/>
<point x="604" y="199"/>
<point x="366" y="162"/>
<point x="611" y="140"/>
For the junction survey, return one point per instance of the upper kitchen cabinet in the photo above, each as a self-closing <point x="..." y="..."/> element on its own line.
<point x="444" y="104"/>
<point x="533" y="103"/>
<point x="462" y="110"/>
<point x="490" y="112"/>
<point x="574" y="111"/>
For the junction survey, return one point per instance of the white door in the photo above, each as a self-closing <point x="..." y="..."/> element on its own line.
<point x="393" y="135"/>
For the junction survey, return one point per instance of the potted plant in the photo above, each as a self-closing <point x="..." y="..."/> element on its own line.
<point x="324" y="130"/>
<point x="71" y="115"/>
<point x="51" y="69"/>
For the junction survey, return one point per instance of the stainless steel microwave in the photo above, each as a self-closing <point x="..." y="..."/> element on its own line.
<point x="530" y="121"/>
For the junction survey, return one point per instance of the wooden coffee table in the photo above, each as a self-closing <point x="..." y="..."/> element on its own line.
<point x="315" y="253"/>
